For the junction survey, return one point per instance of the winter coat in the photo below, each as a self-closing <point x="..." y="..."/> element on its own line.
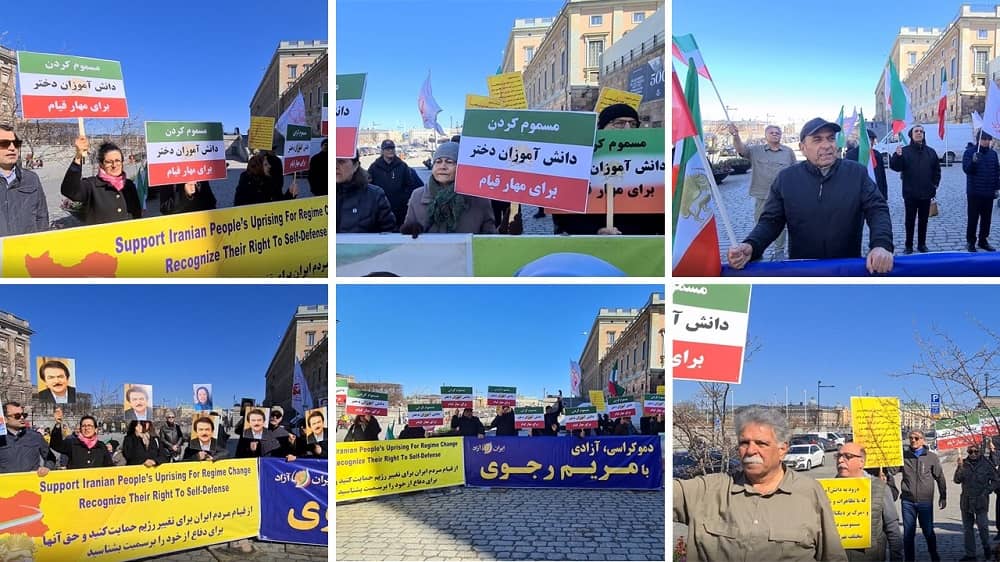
<point x="504" y="424"/>
<point x="920" y="473"/>
<point x="364" y="431"/>
<point x="469" y="427"/>
<point x="824" y="215"/>
<point x="102" y="203"/>
<point x="318" y="170"/>
<point x="79" y="455"/>
<point x="173" y="199"/>
<point x="919" y="170"/>
<point x="23" y="209"/>
<point x="477" y="218"/>
<point x="137" y="452"/>
<point x="267" y="445"/>
<point x="396" y="181"/>
<point x="215" y="450"/>
<point x="978" y="479"/>
<point x="170" y="436"/>
<point x="24" y="451"/>
<point x="982" y="178"/>
<point x="253" y="189"/>
<point x="363" y="207"/>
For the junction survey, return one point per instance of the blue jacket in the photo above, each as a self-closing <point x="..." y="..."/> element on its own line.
<point x="982" y="178"/>
<point x="23" y="209"/>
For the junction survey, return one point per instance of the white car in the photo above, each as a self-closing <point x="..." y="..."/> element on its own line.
<point x="803" y="457"/>
<point x="837" y="438"/>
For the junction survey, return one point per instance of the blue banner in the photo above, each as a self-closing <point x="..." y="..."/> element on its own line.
<point x="937" y="264"/>
<point x="293" y="501"/>
<point x="630" y="463"/>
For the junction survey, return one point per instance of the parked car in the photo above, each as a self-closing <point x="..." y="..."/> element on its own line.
<point x="835" y="437"/>
<point x="686" y="465"/>
<point x="803" y="457"/>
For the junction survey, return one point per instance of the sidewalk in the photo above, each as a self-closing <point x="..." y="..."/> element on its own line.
<point x="263" y="551"/>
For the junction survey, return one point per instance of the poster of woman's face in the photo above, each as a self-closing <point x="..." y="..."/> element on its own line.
<point x="138" y="402"/>
<point x="202" y="397"/>
<point x="56" y="379"/>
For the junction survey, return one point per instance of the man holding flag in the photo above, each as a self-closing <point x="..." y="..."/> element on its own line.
<point x="875" y="160"/>
<point x="824" y="201"/>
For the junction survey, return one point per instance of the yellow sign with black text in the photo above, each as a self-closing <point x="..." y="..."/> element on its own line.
<point x="282" y="239"/>
<point x="851" y="500"/>
<point x="376" y="468"/>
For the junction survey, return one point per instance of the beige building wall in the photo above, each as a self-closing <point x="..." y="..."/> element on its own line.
<point x="290" y="61"/>
<point x="639" y="351"/>
<point x="17" y="382"/>
<point x="313" y="83"/>
<point x="523" y="42"/>
<point x="294" y="345"/>
<point x="647" y="43"/>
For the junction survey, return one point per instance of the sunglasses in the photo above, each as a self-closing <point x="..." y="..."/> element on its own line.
<point x="275" y="415"/>
<point x="19" y="416"/>
<point x="5" y="144"/>
<point x="848" y="456"/>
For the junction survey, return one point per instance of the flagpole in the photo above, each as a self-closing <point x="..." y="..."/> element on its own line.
<point x="716" y="194"/>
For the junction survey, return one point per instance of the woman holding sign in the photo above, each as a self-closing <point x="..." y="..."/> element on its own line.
<point x="107" y="197"/>
<point x="257" y="184"/>
<point x="186" y="198"/>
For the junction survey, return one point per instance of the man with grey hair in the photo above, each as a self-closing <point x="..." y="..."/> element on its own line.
<point x="766" y="160"/>
<point x="764" y="512"/>
<point x="884" y="523"/>
<point x="921" y="471"/>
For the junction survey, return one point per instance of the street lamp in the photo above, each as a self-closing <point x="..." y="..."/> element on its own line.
<point x="819" y="385"/>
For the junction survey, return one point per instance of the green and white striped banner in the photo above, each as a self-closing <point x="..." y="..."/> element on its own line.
<point x="710" y="332"/>
<point x="366" y="402"/>
<point x="580" y="418"/>
<point x="501" y="396"/>
<point x="184" y="151"/>
<point x="622" y="407"/>
<point x="529" y="416"/>
<point x="456" y="396"/>
<point x="350" y="100"/>
<point x="297" y="139"/>
<point x="424" y="415"/>
<point x="62" y="86"/>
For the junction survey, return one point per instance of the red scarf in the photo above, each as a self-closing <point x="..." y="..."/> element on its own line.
<point x="117" y="182"/>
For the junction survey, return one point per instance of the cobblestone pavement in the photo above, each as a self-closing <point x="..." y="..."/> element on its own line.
<point x="947" y="522"/>
<point x="945" y="232"/>
<point x="503" y="524"/>
<point x="263" y="551"/>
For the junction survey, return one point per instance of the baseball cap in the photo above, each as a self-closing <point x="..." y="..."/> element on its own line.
<point x="816" y="124"/>
<point x="388" y="144"/>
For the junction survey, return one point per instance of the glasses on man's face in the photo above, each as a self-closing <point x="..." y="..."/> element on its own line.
<point x="19" y="416"/>
<point x="112" y="162"/>
<point x="846" y="456"/>
<point x="624" y="123"/>
<point x="275" y="415"/>
<point x="5" y="144"/>
<point x="170" y="417"/>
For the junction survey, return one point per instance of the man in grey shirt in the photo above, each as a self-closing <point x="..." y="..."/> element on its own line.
<point x="884" y="518"/>
<point x="766" y="160"/>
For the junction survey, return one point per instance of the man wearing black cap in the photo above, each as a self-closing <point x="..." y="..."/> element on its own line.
<point x="395" y="179"/>
<point x="982" y="180"/>
<point x="880" y="179"/>
<point x="920" y="172"/>
<point x="824" y="201"/>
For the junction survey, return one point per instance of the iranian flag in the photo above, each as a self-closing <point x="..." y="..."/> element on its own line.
<point x="350" y="98"/>
<point x="850" y="123"/>
<point x="865" y="155"/>
<point x="184" y="151"/>
<point x="532" y="417"/>
<point x="841" y="137"/>
<point x="580" y="418"/>
<point x="686" y="49"/>
<point x="424" y="415"/>
<point x="898" y="100"/>
<point x="695" y="238"/>
<point x="942" y="103"/>
<point x="501" y="396"/>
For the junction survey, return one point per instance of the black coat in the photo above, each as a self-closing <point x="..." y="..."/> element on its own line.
<point x="469" y="427"/>
<point x="267" y="445"/>
<point x="824" y="215"/>
<point x="919" y="169"/>
<point x="253" y="189"/>
<point x="101" y="202"/>
<point x="504" y="424"/>
<point x="397" y="183"/>
<point x="880" y="179"/>
<point x="137" y="452"/>
<point x="364" y="432"/>
<point x="362" y="207"/>
<point x="318" y="170"/>
<point x="982" y="178"/>
<point x="23" y="209"/>
<point x="174" y="200"/>
<point x="79" y="455"/>
<point x="216" y="450"/>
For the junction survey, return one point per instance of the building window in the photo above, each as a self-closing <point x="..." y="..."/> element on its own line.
<point x="596" y="21"/>
<point x="595" y="48"/>
<point x="644" y="350"/>
<point x="913" y="58"/>
<point x="981" y="34"/>
<point x="981" y="58"/>
<point x="954" y="43"/>
<point x="611" y="338"/>
<point x="634" y="354"/>
<point x="552" y="72"/>
<point x="529" y="52"/>
<point x="292" y="70"/>
<point x="638" y="17"/>
<point x="952" y="66"/>
<point x="564" y="63"/>
<point x="310" y="338"/>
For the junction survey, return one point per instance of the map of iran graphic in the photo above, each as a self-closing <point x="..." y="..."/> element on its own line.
<point x="94" y="264"/>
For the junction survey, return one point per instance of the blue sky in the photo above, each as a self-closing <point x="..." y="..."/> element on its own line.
<point x="170" y="336"/>
<point x="396" y="42"/>
<point x="182" y="60"/>
<point x="479" y="335"/>
<point x="784" y="59"/>
<point x="852" y="336"/>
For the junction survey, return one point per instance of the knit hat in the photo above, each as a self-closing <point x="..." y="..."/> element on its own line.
<point x="447" y="150"/>
<point x="612" y="112"/>
<point x="279" y="409"/>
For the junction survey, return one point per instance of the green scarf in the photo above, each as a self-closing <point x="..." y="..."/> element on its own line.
<point x="446" y="206"/>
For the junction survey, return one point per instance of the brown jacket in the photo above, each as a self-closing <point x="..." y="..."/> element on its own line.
<point x="477" y="218"/>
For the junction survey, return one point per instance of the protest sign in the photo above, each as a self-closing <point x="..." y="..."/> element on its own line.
<point x="282" y="239"/>
<point x="611" y="96"/>
<point x="57" y="381"/>
<point x="958" y="432"/>
<point x="324" y="124"/>
<point x="653" y="405"/>
<point x="509" y="89"/>
<point x="597" y="399"/>
<point x="201" y="395"/>
<point x="296" y="149"/>
<point x="851" y="500"/>
<point x="661" y="389"/>
<point x="629" y="163"/>
<point x="632" y="462"/>
<point x="529" y="417"/>
<point x="261" y="133"/>
<point x="473" y="101"/>
<point x="294" y="501"/>
<point x="127" y="513"/>
<point x="501" y="396"/>
<point x="138" y="404"/>
<point x="63" y="87"/>
<point x="710" y="332"/>
<point x="580" y="418"/>
<point x="366" y="402"/>
<point x="424" y="415"/>
<point x="622" y="407"/>
<point x="350" y="98"/>
<point x="367" y="469"/>
<point x="456" y="396"/>
<point x="3" y="421"/>
<point x="534" y="157"/>
<point x="341" y="390"/>
<point x="875" y="421"/>
<point x="183" y="151"/>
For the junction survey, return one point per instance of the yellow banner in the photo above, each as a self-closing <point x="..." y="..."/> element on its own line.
<point x="376" y="468"/>
<point x="877" y="426"/>
<point x="474" y="101"/>
<point x="661" y="389"/>
<point x="261" y="133"/>
<point x="851" y="500"/>
<point x="129" y="512"/>
<point x="284" y="239"/>
<point x="611" y="96"/>
<point x="509" y="89"/>
<point x="597" y="399"/>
